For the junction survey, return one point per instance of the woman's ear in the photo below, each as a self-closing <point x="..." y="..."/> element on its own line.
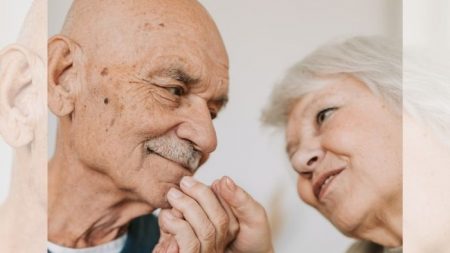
<point x="62" y="75"/>
<point x="18" y="96"/>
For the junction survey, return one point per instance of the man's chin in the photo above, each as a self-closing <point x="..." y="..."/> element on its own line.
<point x="165" y="205"/>
<point x="157" y="198"/>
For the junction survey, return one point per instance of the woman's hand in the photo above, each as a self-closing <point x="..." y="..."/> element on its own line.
<point x="205" y="219"/>
<point x="254" y="231"/>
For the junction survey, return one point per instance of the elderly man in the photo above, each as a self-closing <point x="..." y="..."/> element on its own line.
<point x="23" y="117"/>
<point x="135" y="85"/>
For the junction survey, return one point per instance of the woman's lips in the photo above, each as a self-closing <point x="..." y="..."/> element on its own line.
<point x="324" y="181"/>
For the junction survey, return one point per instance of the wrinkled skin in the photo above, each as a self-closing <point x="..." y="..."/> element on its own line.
<point x="343" y="125"/>
<point x="249" y="230"/>
<point x="122" y="73"/>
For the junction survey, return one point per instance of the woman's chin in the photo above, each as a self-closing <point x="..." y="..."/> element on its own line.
<point x="347" y="222"/>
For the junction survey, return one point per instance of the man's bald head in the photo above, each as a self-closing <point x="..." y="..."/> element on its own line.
<point x="98" y="25"/>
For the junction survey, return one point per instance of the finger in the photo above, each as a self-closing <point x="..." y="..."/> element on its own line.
<point x="172" y="246"/>
<point x="196" y="217"/>
<point x="164" y="234"/>
<point x="233" y="224"/>
<point x="177" y="213"/>
<point x="165" y="238"/>
<point x="247" y="210"/>
<point x="163" y="243"/>
<point x="181" y="231"/>
<point x="208" y="201"/>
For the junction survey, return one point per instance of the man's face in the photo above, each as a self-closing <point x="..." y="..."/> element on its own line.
<point x="144" y="112"/>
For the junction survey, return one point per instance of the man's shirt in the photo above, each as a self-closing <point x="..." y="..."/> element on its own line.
<point x="142" y="236"/>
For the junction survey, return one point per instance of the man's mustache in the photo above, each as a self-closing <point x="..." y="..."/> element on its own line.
<point x="175" y="149"/>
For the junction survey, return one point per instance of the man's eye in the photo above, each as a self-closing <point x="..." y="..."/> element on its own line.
<point x="177" y="91"/>
<point x="213" y="114"/>
<point x="324" y="114"/>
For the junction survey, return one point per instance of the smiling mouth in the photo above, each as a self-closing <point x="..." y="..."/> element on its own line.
<point x="323" y="183"/>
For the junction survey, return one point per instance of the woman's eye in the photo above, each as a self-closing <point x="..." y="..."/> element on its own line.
<point x="177" y="91"/>
<point x="324" y="114"/>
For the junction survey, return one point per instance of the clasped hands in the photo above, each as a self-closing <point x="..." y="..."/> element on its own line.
<point x="221" y="218"/>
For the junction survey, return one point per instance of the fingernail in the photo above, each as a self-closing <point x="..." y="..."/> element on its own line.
<point x="174" y="193"/>
<point x="214" y="187"/>
<point x="230" y="184"/>
<point x="188" y="182"/>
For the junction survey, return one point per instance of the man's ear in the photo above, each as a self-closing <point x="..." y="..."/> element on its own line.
<point x="62" y="75"/>
<point x="18" y="95"/>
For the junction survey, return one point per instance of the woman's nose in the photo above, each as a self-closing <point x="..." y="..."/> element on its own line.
<point x="305" y="161"/>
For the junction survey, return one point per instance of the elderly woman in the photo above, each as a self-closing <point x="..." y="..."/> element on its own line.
<point x="342" y="111"/>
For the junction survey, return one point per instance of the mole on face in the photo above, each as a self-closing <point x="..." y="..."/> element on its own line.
<point x="104" y="72"/>
<point x="106" y="101"/>
<point x="161" y="24"/>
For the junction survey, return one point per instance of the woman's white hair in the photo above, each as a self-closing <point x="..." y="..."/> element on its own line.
<point x="376" y="61"/>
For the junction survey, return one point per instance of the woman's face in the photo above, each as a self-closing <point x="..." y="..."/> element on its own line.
<point x="346" y="145"/>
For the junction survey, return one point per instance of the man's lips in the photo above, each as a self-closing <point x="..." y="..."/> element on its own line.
<point x="324" y="180"/>
<point x="185" y="166"/>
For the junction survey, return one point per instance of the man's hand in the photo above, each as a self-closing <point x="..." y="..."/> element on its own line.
<point x="250" y="235"/>
<point x="198" y="222"/>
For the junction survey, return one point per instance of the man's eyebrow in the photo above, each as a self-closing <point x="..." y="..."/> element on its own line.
<point x="221" y="101"/>
<point x="181" y="76"/>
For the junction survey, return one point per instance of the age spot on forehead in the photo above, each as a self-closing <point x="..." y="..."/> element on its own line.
<point x="104" y="72"/>
<point x="147" y="26"/>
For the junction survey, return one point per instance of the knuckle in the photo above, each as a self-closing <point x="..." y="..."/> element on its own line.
<point x="208" y="233"/>
<point x="201" y="190"/>
<point x="194" y="246"/>
<point x="233" y="229"/>
<point x="223" y="222"/>
<point x="187" y="204"/>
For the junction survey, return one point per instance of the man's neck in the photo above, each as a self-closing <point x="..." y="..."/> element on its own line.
<point x="85" y="207"/>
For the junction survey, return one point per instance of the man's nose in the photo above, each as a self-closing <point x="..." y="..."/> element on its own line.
<point x="198" y="127"/>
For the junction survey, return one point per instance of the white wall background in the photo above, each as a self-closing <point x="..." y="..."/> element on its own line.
<point x="263" y="39"/>
<point x="12" y="14"/>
